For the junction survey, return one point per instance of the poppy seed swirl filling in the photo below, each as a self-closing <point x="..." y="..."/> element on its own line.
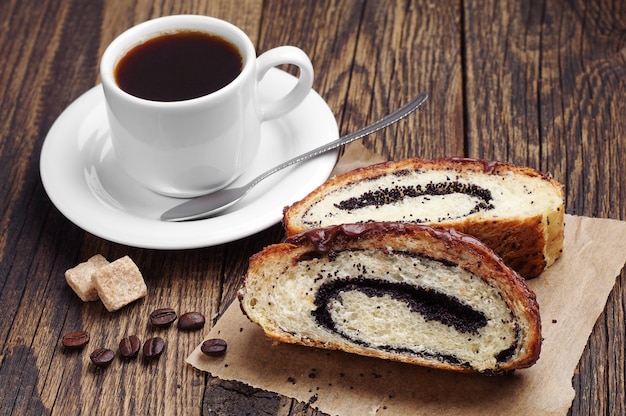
<point x="387" y="196"/>
<point x="431" y="304"/>
<point x="415" y="197"/>
<point x="398" y="304"/>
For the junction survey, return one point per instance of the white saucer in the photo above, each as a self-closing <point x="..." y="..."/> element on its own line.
<point x="79" y="172"/>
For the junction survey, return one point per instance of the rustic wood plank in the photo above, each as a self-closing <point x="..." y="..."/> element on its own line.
<point x="327" y="31"/>
<point x="34" y="93"/>
<point x="502" y="49"/>
<point x="235" y="398"/>
<point x="401" y="46"/>
<point x="582" y="119"/>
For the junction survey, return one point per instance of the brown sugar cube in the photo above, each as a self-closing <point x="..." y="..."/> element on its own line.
<point x="119" y="283"/>
<point x="79" y="277"/>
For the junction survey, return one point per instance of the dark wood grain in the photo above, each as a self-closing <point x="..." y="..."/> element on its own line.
<point x="540" y="83"/>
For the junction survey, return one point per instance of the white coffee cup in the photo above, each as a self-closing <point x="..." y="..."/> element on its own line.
<point x="196" y="146"/>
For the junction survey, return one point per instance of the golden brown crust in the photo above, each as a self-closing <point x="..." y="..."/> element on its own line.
<point x="527" y="244"/>
<point x="432" y="242"/>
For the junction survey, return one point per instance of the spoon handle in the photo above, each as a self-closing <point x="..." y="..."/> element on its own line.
<point x="206" y="205"/>
<point x="389" y="119"/>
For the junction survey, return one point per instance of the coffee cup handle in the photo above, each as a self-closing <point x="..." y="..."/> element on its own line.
<point x="292" y="56"/>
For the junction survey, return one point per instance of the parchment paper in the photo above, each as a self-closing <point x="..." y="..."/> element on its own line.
<point x="571" y="295"/>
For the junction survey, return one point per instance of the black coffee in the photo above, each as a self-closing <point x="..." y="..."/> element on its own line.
<point x="178" y="66"/>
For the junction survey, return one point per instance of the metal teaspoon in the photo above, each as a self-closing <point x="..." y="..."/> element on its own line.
<point x="213" y="203"/>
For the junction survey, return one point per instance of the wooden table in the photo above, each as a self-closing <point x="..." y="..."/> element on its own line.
<point x="539" y="83"/>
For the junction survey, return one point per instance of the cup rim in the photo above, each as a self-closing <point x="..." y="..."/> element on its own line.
<point x="149" y="29"/>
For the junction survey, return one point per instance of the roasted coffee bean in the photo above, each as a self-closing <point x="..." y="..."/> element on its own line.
<point x="163" y="317"/>
<point x="153" y="347"/>
<point x="215" y="346"/>
<point x="102" y="357"/>
<point x="191" y="321"/>
<point x="76" y="339"/>
<point x="129" y="346"/>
